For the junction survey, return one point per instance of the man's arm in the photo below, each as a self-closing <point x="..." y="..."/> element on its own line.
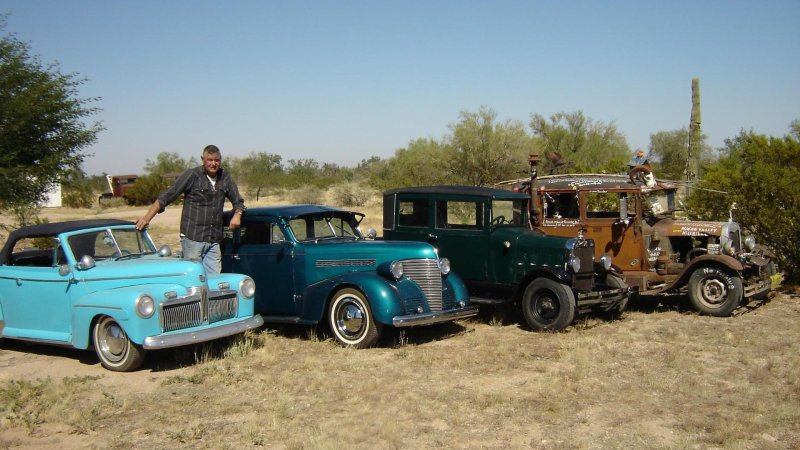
<point x="154" y="209"/>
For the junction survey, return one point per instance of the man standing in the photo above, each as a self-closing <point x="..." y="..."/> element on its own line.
<point x="205" y="189"/>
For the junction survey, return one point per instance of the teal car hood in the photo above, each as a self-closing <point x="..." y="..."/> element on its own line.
<point x="379" y="251"/>
<point x="110" y="274"/>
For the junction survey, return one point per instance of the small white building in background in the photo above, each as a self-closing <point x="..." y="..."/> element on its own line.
<point x="53" y="197"/>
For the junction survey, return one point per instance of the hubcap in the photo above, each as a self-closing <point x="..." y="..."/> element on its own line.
<point x="350" y="318"/>
<point x="546" y="307"/>
<point x="714" y="291"/>
<point x="113" y="342"/>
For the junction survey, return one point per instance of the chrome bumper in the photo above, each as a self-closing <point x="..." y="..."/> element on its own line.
<point x="206" y="334"/>
<point x="434" y="317"/>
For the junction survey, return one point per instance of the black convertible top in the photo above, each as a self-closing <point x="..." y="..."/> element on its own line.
<point x="52" y="229"/>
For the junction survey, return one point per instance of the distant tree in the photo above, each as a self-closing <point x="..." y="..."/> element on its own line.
<point x="259" y="171"/>
<point x="146" y="189"/>
<point x="423" y="162"/>
<point x="77" y="190"/>
<point x="485" y="152"/>
<point x="169" y="162"/>
<point x="668" y="153"/>
<point x="43" y="124"/>
<point x="572" y="142"/>
<point x="761" y="175"/>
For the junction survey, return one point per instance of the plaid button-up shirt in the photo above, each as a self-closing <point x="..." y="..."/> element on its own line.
<point x="203" y="203"/>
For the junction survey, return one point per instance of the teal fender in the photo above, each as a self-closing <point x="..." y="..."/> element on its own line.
<point x="119" y="304"/>
<point x="382" y="295"/>
<point x="456" y="284"/>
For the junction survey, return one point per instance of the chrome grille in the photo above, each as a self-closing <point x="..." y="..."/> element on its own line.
<point x="223" y="306"/>
<point x="198" y="308"/>
<point x="182" y="315"/>
<point x="425" y="273"/>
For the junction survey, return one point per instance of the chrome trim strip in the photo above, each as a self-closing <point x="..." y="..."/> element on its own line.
<point x="208" y="334"/>
<point x="345" y="263"/>
<point x="434" y="317"/>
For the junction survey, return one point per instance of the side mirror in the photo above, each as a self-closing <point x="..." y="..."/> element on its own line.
<point x="371" y="233"/>
<point x="164" y="251"/>
<point x="86" y="263"/>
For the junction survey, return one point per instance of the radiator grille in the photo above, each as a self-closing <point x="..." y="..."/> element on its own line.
<point x="425" y="273"/>
<point x="198" y="308"/>
<point x="585" y="278"/>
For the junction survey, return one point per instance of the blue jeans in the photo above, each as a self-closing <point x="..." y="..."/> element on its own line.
<point x="207" y="252"/>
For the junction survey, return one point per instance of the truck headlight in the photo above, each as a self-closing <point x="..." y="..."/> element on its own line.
<point x="444" y="266"/>
<point x="247" y="287"/>
<point x="750" y="242"/>
<point x="575" y="263"/>
<point x="728" y="248"/>
<point x="396" y="268"/>
<point x="605" y="261"/>
<point x="145" y="306"/>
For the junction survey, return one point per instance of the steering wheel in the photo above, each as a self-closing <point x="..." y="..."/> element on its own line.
<point x="499" y="220"/>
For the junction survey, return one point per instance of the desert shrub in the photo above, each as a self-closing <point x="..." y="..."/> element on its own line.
<point x="350" y="195"/>
<point x="146" y="189"/>
<point x="78" y="198"/>
<point x="306" y="194"/>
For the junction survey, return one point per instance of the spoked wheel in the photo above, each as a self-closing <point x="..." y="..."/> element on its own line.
<point x="115" y="350"/>
<point x="351" y="319"/>
<point x="548" y="305"/>
<point x="715" y="291"/>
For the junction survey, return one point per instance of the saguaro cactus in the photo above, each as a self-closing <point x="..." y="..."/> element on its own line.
<point x="695" y="139"/>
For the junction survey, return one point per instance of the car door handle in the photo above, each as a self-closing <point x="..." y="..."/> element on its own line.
<point x="432" y="238"/>
<point x="236" y="258"/>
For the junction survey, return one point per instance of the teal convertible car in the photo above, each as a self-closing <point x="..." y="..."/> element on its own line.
<point x="312" y="264"/>
<point x="102" y="283"/>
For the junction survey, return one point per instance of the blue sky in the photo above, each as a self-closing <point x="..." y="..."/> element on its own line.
<point x="340" y="81"/>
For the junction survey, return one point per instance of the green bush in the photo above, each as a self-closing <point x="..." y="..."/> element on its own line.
<point x="306" y="194"/>
<point x="761" y="175"/>
<point x="146" y="189"/>
<point x="350" y="195"/>
<point x="78" y="198"/>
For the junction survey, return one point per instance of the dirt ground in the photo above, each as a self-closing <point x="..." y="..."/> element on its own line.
<point x="662" y="377"/>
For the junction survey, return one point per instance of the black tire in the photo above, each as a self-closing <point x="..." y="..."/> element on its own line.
<point x="115" y="351"/>
<point x="715" y="291"/>
<point x="351" y="319"/>
<point x="615" y="282"/>
<point x="548" y="305"/>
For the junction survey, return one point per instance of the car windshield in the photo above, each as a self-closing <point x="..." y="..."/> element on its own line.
<point x="111" y="244"/>
<point x="324" y="226"/>
<point x="510" y="212"/>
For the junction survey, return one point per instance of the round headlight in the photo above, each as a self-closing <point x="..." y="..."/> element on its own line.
<point x="605" y="261"/>
<point x="575" y="263"/>
<point x="750" y="242"/>
<point x="397" y="269"/>
<point x="444" y="266"/>
<point x="247" y="287"/>
<point x="728" y="248"/>
<point x="145" y="306"/>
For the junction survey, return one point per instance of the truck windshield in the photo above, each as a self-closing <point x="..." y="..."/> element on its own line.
<point x="510" y="212"/>
<point x="659" y="202"/>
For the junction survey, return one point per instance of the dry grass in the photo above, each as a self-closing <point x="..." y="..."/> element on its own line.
<point x="661" y="377"/>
